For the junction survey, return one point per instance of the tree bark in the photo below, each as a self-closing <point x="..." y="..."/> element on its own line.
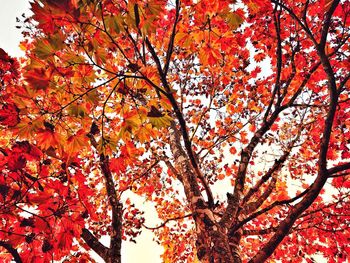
<point x="94" y="244"/>
<point x="12" y="251"/>
<point x="212" y="242"/>
<point x="114" y="250"/>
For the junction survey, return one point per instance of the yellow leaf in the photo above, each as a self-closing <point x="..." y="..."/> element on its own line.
<point x="145" y="133"/>
<point x="106" y="145"/>
<point x="76" y="110"/>
<point x="113" y="23"/>
<point x="159" y="122"/>
<point x="234" y="20"/>
<point x="27" y="129"/>
<point x="43" y="49"/>
<point x="76" y="142"/>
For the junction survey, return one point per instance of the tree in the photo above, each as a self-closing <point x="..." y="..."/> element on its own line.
<point x="231" y="118"/>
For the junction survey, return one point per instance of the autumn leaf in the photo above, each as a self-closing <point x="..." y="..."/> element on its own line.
<point x="28" y="128"/>
<point x="17" y="162"/>
<point x="38" y="79"/>
<point x="234" y="19"/>
<point x="259" y="57"/>
<point x="9" y="115"/>
<point x="47" y="138"/>
<point x="117" y="165"/>
<point x="77" y="142"/>
<point x="43" y="49"/>
<point x="157" y="118"/>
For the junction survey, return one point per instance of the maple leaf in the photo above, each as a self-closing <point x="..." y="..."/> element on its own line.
<point x="157" y="118"/>
<point x="28" y="128"/>
<point x="44" y="17"/>
<point x="76" y="142"/>
<point x="38" y="78"/>
<point x="234" y="19"/>
<point x="9" y="115"/>
<point x="43" y="49"/>
<point x="47" y="138"/>
<point x="259" y="57"/>
<point x="17" y="162"/>
<point x="117" y="165"/>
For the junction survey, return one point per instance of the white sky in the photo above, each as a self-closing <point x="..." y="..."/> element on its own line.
<point x="9" y="34"/>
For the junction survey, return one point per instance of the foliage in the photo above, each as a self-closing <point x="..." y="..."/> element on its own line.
<point x="231" y="118"/>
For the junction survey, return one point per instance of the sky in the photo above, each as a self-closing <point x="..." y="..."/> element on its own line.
<point x="9" y="34"/>
<point x="145" y="250"/>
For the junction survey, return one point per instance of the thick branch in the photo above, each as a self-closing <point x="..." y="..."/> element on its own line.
<point x="182" y="122"/>
<point x="275" y="167"/>
<point x="12" y="251"/>
<point x="116" y="234"/>
<point x="253" y="206"/>
<point x="338" y="168"/>
<point x="327" y="23"/>
<point x="116" y="206"/>
<point x="94" y="244"/>
<point x="182" y="168"/>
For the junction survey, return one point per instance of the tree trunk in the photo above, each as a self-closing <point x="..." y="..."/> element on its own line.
<point x="212" y="244"/>
<point x="114" y="258"/>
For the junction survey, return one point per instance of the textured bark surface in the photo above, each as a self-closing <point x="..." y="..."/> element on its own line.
<point x="113" y="253"/>
<point x="12" y="251"/>
<point x="212" y="243"/>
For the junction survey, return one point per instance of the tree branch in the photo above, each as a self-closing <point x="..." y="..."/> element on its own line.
<point x="296" y="18"/>
<point x="327" y="23"/>
<point x="12" y="251"/>
<point x="337" y="169"/>
<point x="167" y="221"/>
<point x="172" y="39"/>
<point x="94" y="244"/>
<point x="275" y="167"/>
<point x="276" y="18"/>
<point x="116" y="206"/>
<point x="266" y="209"/>
<point x="235" y="198"/>
<point x="182" y="122"/>
<point x="315" y="188"/>
<point x="257" y="232"/>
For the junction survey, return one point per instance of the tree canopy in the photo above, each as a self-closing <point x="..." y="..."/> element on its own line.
<point x="230" y="117"/>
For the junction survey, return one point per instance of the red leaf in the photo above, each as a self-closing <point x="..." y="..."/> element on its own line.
<point x="3" y="54"/>
<point x="16" y="162"/>
<point x="117" y="165"/>
<point x="9" y="115"/>
<point x="38" y="79"/>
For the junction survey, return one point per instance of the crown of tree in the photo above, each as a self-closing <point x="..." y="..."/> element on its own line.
<point x="230" y="118"/>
